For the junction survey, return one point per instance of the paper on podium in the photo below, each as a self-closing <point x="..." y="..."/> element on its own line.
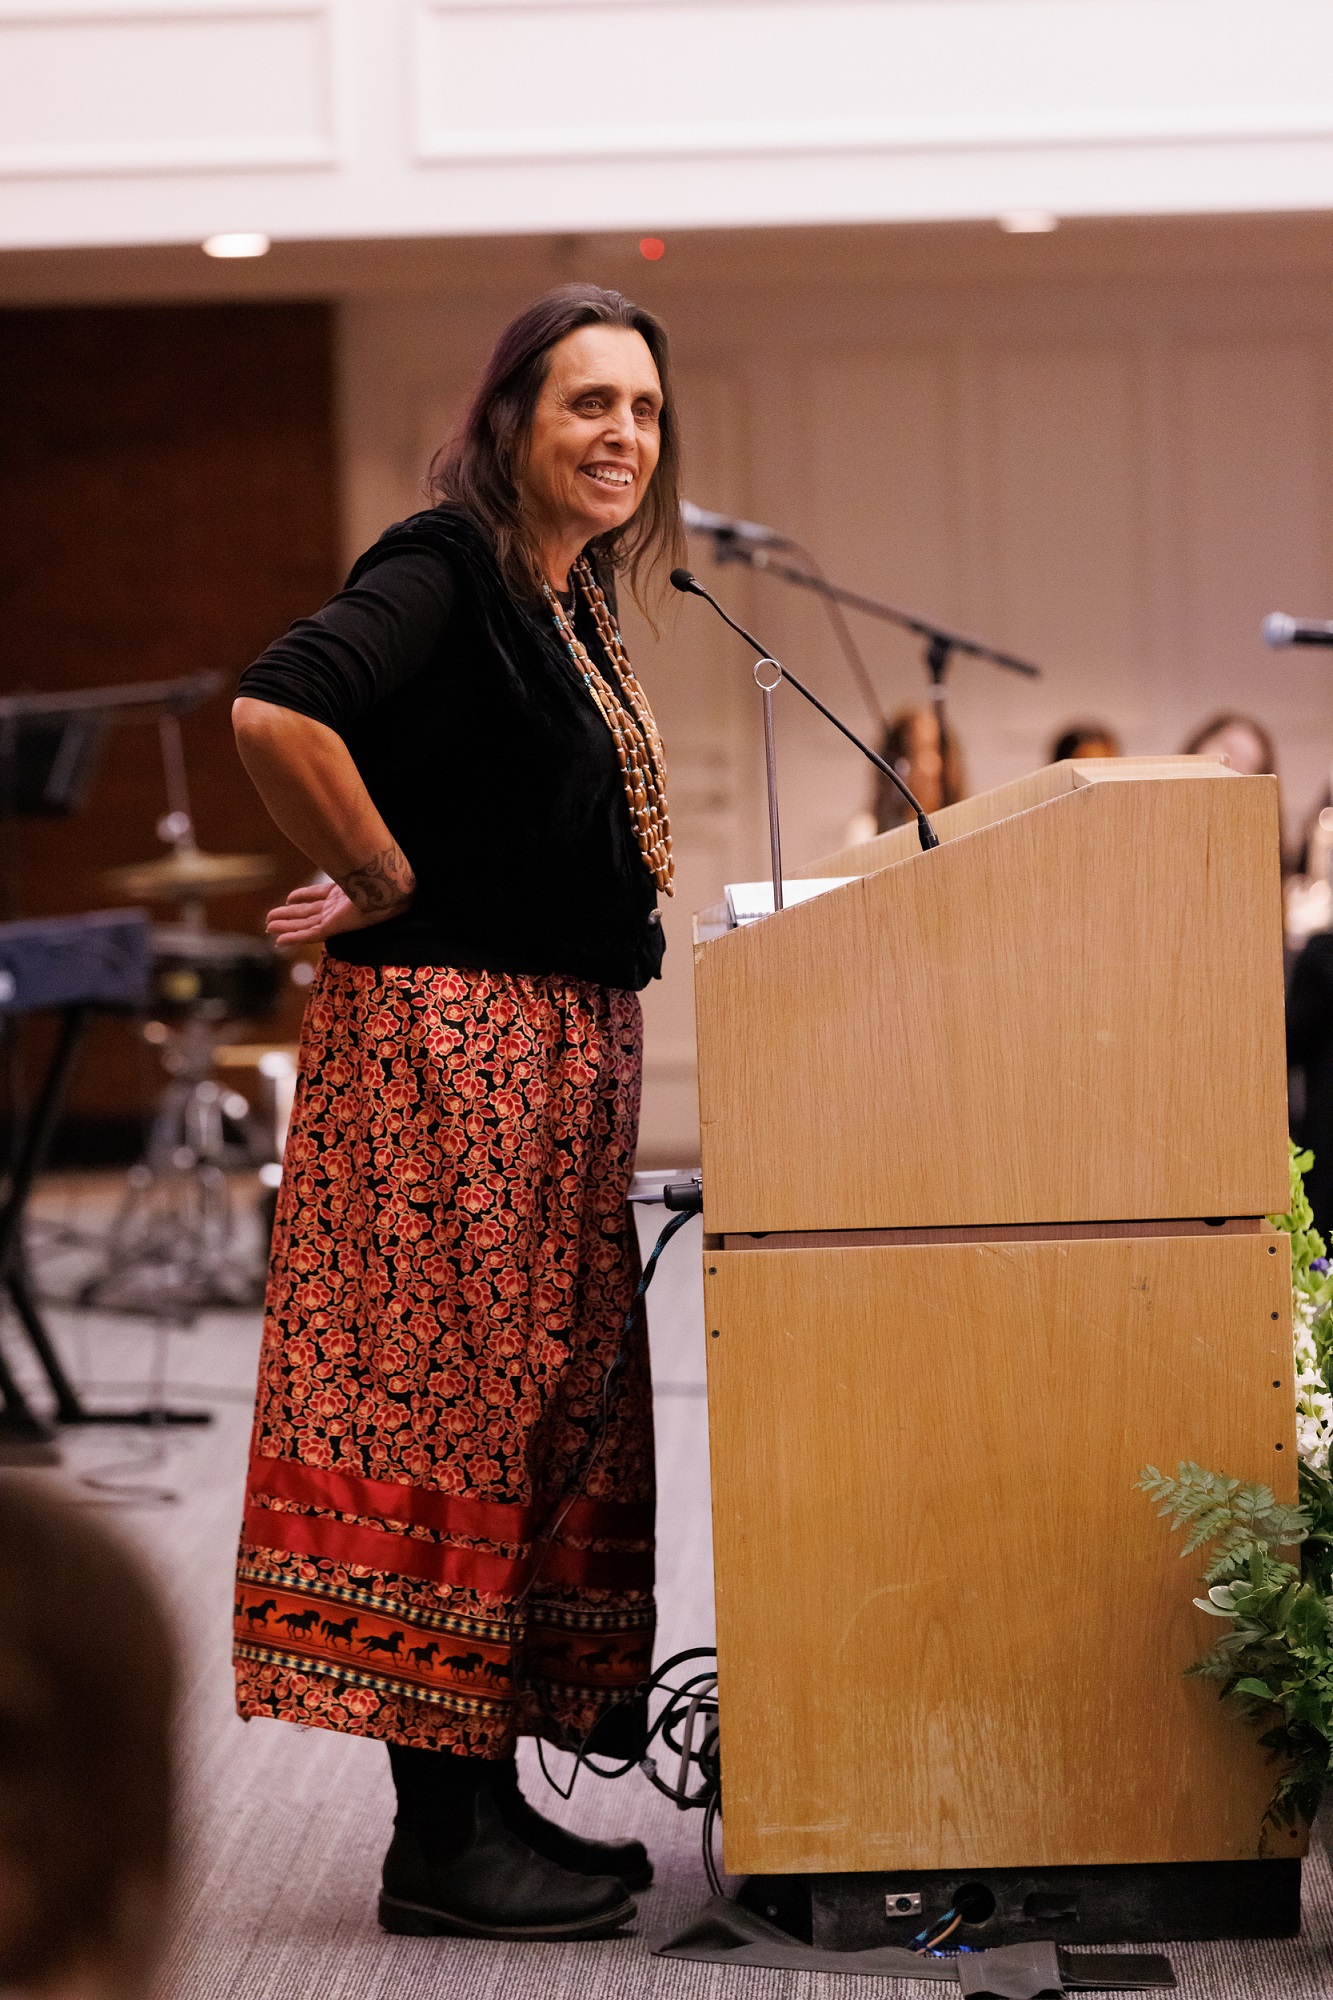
<point x="747" y="901"/>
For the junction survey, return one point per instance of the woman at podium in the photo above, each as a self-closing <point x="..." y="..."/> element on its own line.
<point x="448" y="1535"/>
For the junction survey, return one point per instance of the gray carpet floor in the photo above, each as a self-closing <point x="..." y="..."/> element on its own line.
<point x="284" y="1828"/>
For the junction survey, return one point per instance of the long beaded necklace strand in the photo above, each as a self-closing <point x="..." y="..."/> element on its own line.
<point x="629" y="718"/>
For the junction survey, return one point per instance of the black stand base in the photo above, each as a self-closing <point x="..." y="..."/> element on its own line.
<point x="148" y="1418"/>
<point x="1140" y="1903"/>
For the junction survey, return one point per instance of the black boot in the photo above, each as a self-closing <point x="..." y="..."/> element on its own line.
<point x="454" y="1867"/>
<point x="627" y="1859"/>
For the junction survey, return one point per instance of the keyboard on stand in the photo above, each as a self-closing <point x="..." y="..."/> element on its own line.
<point x="74" y="967"/>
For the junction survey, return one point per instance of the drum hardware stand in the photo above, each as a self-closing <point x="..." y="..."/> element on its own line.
<point x="169" y="1251"/>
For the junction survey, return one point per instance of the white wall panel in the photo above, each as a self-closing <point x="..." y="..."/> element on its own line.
<point x="92" y="91"/>
<point x="719" y="77"/>
<point x="493" y="116"/>
<point x="882" y="480"/>
<point x="1067" y="508"/>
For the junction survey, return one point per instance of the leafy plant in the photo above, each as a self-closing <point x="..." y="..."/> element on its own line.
<point x="1307" y="1245"/>
<point x="1276" y="1661"/>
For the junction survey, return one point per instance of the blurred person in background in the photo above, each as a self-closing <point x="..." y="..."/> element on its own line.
<point x="1245" y="743"/>
<point x="87" y="1694"/>
<point x="1085" y="739"/>
<point x="912" y="745"/>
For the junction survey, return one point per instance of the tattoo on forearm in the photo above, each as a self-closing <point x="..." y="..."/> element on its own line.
<point x="381" y="883"/>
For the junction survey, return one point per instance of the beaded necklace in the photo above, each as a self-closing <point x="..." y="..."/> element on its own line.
<point x="624" y="708"/>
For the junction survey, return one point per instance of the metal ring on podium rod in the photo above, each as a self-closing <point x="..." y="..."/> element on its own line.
<point x="767" y="686"/>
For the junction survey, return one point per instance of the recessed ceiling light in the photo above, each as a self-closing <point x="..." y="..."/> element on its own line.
<point x="237" y="243"/>
<point x="1029" y="221"/>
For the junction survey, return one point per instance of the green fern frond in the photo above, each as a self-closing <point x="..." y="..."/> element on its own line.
<point x="1213" y="1508"/>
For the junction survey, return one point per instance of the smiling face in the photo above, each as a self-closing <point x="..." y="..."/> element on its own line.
<point x="594" y="442"/>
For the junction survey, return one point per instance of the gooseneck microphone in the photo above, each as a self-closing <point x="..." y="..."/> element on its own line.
<point x="1281" y="629"/>
<point x="685" y="580"/>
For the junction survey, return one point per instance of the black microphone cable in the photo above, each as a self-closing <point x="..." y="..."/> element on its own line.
<point x="686" y="1198"/>
<point x="547" y="1533"/>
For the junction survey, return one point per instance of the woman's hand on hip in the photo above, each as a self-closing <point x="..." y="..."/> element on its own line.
<point x="310" y="915"/>
<point x="381" y="888"/>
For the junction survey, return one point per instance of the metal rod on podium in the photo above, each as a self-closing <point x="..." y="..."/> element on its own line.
<point x="771" y="768"/>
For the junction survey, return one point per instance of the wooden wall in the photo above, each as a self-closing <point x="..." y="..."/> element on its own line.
<point x="168" y="503"/>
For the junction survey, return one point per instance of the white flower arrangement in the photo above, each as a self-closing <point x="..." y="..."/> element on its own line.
<point x="1314" y="1404"/>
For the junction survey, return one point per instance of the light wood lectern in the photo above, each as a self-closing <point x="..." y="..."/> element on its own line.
<point x="988" y="1137"/>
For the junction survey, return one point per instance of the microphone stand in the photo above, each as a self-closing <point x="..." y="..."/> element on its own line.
<point x="684" y="581"/>
<point x="940" y="643"/>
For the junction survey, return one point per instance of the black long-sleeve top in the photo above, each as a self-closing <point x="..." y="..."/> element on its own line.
<point x="486" y="756"/>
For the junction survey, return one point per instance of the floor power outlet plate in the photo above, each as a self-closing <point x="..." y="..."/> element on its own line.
<point x="902" y="1903"/>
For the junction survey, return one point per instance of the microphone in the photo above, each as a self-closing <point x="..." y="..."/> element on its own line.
<point x="726" y="528"/>
<point x="686" y="581"/>
<point x="1281" y="629"/>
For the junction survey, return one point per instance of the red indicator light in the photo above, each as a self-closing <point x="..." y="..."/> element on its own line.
<point x="652" y="247"/>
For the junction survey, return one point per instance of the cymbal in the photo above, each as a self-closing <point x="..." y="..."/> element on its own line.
<point x="187" y="873"/>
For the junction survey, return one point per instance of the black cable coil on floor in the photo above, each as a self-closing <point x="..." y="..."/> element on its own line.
<point x="685" y="1727"/>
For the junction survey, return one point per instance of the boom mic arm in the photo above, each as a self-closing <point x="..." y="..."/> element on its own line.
<point x="727" y="531"/>
<point x="684" y="580"/>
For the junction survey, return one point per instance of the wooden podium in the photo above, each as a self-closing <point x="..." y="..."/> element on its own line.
<point x="989" y="1134"/>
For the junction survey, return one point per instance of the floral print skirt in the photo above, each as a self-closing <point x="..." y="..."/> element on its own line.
<point x="453" y="1262"/>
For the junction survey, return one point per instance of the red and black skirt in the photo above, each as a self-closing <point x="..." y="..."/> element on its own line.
<point x="452" y="1266"/>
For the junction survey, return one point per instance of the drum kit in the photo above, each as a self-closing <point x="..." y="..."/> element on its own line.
<point x="174" y="1246"/>
<point x="173" y="1243"/>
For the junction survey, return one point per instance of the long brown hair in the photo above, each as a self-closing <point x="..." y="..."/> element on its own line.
<point x="479" y="468"/>
<point x="891" y="808"/>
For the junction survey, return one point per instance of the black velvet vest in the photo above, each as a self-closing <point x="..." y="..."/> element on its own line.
<point x="497" y="776"/>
